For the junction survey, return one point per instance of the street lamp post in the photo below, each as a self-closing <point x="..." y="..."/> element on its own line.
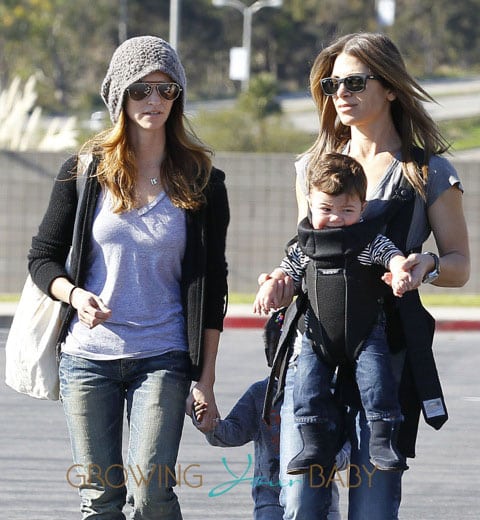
<point x="174" y="23"/>
<point x="247" y="12"/>
<point x="122" y="21"/>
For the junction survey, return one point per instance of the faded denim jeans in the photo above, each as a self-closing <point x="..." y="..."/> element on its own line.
<point x="94" y="395"/>
<point x="373" y="495"/>
<point x="312" y="395"/>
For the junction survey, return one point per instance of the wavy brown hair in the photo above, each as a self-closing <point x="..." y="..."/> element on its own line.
<point x="412" y="122"/>
<point x="184" y="172"/>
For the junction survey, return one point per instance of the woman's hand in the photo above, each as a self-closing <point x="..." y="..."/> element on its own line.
<point x="276" y="290"/>
<point x="202" y="400"/>
<point x="91" y="309"/>
<point x="199" y="410"/>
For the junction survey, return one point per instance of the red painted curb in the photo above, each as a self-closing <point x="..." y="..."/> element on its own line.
<point x="457" y="325"/>
<point x="244" y="322"/>
<point x="257" y="322"/>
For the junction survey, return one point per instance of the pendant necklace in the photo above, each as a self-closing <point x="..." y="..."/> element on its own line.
<point x="153" y="181"/>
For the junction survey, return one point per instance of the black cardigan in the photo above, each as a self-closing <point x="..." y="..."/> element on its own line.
<point x="204" y="268"/>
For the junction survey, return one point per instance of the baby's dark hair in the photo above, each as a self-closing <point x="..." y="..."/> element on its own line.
<point x="336" y="173"/>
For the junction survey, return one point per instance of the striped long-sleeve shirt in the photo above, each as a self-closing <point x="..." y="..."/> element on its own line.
<point x="379" y="251"/>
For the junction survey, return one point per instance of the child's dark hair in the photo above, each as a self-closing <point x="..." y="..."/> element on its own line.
<point x="335" y="173"/>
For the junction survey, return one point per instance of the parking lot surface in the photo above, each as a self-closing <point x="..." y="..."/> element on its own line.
<point x="442" y="482"/>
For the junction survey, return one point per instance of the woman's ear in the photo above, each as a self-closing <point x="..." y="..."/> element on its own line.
<point x="391" y="96"/>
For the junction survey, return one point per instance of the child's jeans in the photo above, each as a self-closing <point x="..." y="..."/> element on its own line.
<point x="312" y="394"/>
<point x="373" y="495"/>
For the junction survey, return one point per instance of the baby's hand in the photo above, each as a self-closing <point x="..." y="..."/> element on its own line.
<point x="401" y="284"/>
<point x="264" y="300"/>
<point x="276" y="290"/>
<point x="399" y="281"/>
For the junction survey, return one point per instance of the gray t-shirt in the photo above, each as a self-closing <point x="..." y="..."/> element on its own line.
<point x="135" y="266"/>
<point x="441" y="176"/>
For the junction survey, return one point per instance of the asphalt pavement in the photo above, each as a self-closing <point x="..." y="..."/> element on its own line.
<point x="442" y="483"/>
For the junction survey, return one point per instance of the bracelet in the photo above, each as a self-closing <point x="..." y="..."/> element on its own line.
<point x="71" y="294"/>
<point x="432" y="275"/>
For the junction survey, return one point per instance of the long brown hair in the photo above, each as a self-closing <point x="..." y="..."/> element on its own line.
<point x="412" y="122"/>
<point x="184" y="172"/>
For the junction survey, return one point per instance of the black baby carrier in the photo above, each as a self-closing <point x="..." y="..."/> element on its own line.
<point x="344" y="296"/>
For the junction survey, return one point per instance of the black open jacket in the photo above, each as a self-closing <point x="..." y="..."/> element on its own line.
<point x="204" y="268"/>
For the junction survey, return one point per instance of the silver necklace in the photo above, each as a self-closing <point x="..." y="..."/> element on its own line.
<point x="153" y="181"/>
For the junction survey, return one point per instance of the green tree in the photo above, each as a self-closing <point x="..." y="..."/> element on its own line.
<point x="59" y="42"/>
<point x="438" y="36"/>
<point x="260" y="98"/>
<point x="254" y="124"/>
<point x="68" y="44"/>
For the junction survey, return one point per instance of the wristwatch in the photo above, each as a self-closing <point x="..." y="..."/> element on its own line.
<point x="435" y="272"/>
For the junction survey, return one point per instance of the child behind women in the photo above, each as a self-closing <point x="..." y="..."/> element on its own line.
<point x="244" y="424"/>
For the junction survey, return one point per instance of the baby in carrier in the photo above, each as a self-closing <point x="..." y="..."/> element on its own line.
<point x="340" y="261"/>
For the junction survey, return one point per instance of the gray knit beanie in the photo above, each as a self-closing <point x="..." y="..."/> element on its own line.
<point x="134" y="59"/>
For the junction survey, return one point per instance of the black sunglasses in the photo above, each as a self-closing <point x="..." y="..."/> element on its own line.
<point x="353" y="83"/>
<point x="143" y="89"/>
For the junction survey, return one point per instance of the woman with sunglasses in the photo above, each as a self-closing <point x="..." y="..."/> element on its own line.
<point x="370" y="108"/>
<point x="145" y="307"/>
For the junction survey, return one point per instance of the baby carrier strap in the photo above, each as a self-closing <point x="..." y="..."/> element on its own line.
<point x="410" y="326"/>
<point x="274" y="392"/>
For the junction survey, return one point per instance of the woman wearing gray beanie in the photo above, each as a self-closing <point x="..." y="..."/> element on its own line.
<point x="144" y="298"/>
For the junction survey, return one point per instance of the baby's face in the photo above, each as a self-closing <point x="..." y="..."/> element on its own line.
<point x="334" y="211"/>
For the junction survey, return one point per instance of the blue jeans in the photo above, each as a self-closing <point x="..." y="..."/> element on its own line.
<point x="373" y="495"/>
<point x="312" y="395"/>
<point x="375" y="379"/>
<point x="306" y="496"/>
<point x="94" y="394"/>
<point x="312" y="390"/>
<point x="268" y="513"/>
